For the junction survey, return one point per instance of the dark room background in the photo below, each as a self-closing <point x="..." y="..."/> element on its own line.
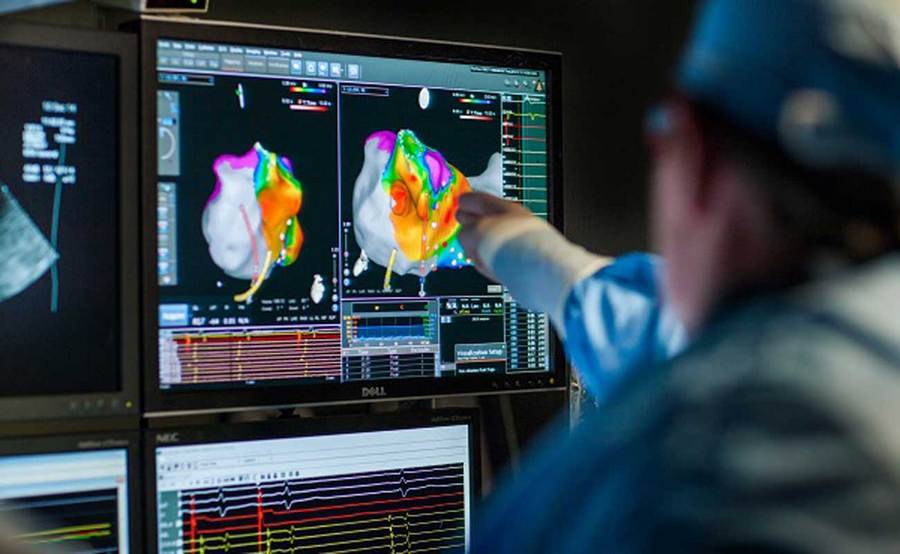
<point x="618" y="59"/>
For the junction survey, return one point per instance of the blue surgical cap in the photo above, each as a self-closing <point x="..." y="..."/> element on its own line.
<point x="819" y="77"/>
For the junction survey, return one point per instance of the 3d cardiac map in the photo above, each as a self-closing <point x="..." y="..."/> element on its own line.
<point x="404" y="205"/>
<point x="250" y="220"/>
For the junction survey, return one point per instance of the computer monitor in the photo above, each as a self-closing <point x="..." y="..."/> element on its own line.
<point x="301" y="191"/>
<point x="74" y="493"/>
<point x="377" y="484"/>
<point x="69" y="293"/>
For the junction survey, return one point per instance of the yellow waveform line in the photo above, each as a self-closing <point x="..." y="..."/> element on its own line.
<point x="432" y="549"/>
<point x="348" y="551"/>
<point x="269" y="540"/>
<point x="317" y="547"/>
<point x="424" y="541"/>
<point x="443" y="512"/>
<point x="71" y="529"/>
<point x="71" y="537"/>
<point x="294" y="529"/>
<point x="227" y="542"/>
<point x="290" y="530"/>
<point x="439" y="521"/>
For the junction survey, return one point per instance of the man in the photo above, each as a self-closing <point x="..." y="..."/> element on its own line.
<point x="776" y="211"/>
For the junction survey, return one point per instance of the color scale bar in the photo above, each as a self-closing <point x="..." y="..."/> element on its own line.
<point x="477" y="117"/>
<point x="306" y="108"/>
<point x="309" y="90"/>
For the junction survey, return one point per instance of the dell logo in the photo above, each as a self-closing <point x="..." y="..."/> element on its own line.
<point x="373" y="392"/>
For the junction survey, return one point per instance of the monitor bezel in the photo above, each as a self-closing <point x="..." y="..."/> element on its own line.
<point x="160" y="402"/>
<point x="92" y="442"/>
<point x="125" y="401"/>
<point x="301" y="427"/>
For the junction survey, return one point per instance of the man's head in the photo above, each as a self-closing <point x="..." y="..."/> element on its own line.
<point x="779" y="150"/>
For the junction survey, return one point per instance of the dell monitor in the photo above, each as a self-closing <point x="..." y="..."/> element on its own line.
<point x="72" y="494"/>
<point x="377" y="484"/>
<point x="69" y="292"/>
<point x="300" y="215"/>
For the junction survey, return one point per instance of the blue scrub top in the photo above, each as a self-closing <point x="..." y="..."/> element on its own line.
<point x="616" y="321"/>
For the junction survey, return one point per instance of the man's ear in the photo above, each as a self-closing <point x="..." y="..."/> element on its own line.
<point x="697" y="154"/>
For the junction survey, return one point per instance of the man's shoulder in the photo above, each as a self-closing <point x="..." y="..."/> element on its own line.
<point x="830" y="329"/>
<point x="823" y="361"/>
<point x="783" y="401"/>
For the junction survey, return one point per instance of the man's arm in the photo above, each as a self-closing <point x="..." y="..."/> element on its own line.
<point x="607" y="310"/>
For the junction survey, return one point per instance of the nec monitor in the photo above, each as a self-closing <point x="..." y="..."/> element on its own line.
<point x="71" y="494"/>
<point x="68" y="224"/>
<point x="300" y="195"/>
<point x="388" y="484"/>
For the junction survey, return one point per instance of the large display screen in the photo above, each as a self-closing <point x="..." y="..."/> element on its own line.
<point x="396" y="490"/>
<point x="305" y="215"/>
<point x="59" y="283"/>
<point x="72" y="501"/>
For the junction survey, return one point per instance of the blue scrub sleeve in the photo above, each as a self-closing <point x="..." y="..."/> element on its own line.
<point x="616" y="321"/>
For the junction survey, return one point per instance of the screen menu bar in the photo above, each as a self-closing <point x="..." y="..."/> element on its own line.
<point x="186" y="56"/>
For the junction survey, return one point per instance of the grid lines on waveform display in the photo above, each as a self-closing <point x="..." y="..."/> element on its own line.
<point x="241" y="356"/>
<point x="419" y="509"/>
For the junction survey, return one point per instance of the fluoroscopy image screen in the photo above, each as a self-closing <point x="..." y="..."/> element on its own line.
<point x="58" y="223"/>
<point x="76" y="501"/>
<point x="306" y="216"/>
<point x="385" y="492"/>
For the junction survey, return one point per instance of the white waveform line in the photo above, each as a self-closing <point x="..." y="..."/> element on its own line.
<point x="287" y="491"/>
<point x="289" y="504"/>
<point x="317" y="480"/>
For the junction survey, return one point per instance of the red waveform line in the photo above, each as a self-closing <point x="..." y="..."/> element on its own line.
<point x="275" y="355"/>
<point x="259" y="518"/>
<point x="193" y="521"/>
<point x="221" y="530"/>
<point x="268" y="337"/>
<point x="508" y="124"/>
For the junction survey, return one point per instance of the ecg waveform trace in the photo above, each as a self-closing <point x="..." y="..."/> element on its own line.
<point x="81" y="522"/>
<point x="399" y="511"/>
<point x="221" y="356"/>
<point x="524" y="144"/>
<point x="361" y="330"/>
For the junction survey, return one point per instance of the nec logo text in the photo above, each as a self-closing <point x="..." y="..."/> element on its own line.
<point x="167" y="438"/>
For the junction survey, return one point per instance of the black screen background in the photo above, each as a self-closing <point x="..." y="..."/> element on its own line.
<point x="211" y="124"/>
<point x="76" y="349"/>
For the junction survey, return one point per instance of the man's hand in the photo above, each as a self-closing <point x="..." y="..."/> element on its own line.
<point x="479" y="214"/>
